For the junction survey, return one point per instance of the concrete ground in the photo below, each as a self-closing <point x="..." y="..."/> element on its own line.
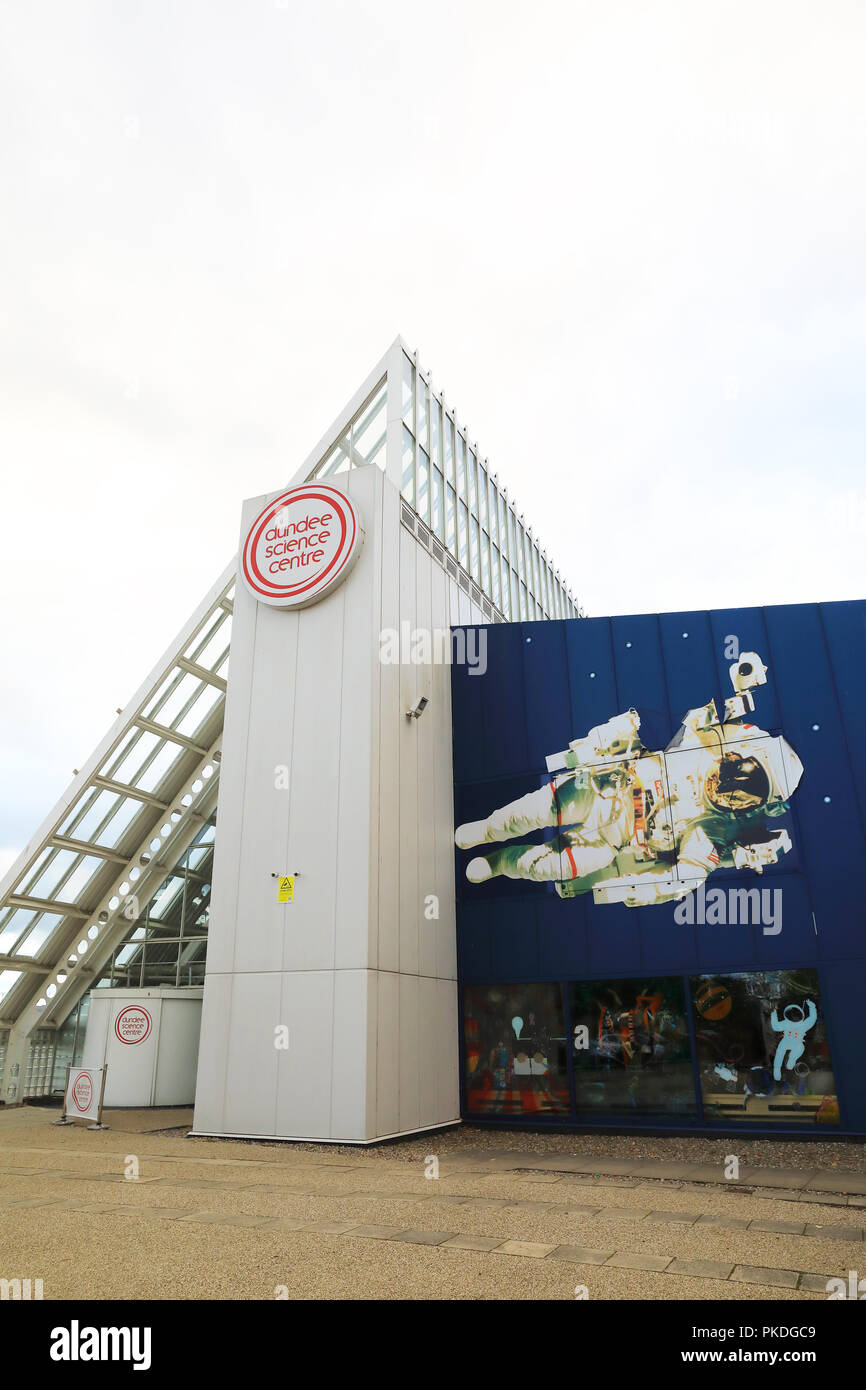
<point x="505" y="1218"/>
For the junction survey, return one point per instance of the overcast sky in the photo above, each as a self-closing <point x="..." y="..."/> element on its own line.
<point x="628" y="238"/>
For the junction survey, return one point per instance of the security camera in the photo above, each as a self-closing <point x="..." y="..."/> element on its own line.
<point x="415" y="711"/>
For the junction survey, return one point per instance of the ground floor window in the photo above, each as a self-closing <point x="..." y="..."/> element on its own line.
<point x="762" y="1047"/>
<point x="710" y="1049"/>
<point x="516" y="1050"/>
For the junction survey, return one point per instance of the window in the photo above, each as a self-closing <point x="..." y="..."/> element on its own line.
<point x="422" y="472"/>
<point x="408" y="486"/>
<point x="515" y="1060"/>
<point x="408" y="393"/>
<point x="450" y="523"/>
<point x="437" y="520"/>
<point x="476" y="548"/>
<point x="630" y="1047"/>
<point x="462" y="538"/>
<point x="763" y="1051"/>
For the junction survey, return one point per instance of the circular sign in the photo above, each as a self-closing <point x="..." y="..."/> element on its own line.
<point x="133" y="1024"/>
<point x="82" y="1091"/>
<point x="301" y="545"/>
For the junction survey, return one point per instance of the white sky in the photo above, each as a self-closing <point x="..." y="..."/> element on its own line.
<point x="628" y="238"/>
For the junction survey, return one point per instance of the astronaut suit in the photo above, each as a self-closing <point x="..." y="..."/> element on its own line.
<point x="643" y="827"/>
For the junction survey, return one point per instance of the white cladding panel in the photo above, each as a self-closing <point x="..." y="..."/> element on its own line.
<point x="325" y="777"/>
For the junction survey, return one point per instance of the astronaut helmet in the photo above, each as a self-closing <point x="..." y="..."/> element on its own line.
<point x="738" y="782"/>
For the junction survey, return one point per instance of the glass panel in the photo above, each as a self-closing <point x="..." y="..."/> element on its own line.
<point x="437" y="520"/>
<point x="176" y="692"/>
<point x="493" y="511"/>
<point x="121" y="818"/>
<point x="515" y="597"/>
<point x="17" y="920"/>
<point x="461" y="469"/>
<point x="89" y="813"/>
<point x="476" y="549"/>
<point x="515" y="1051"/>
<point x="630" y="1047"/>
<point x="524" y="611"/>
<point x="211" y="652"/>
<point x="482" y="496"/>
<point x="201" y="640"/>
<point x="408" y="393"/>
<point x="763" y="1050"/>
<point x="369" y="432"/>
<point x="503" y="525"/>
<point x="159" y="766"/>
<point x="8" y="978"/>
<point x="450" y="525"/>
<point x="408" y="485"/>
<point x="436" y="432"/>
<point x="506" y="589"/>
<point x="485" y="562"/>
<point x="337" y="460"/>
<point x="421" y="414"/>
<point x="462" y="540"/>
<point x="472" y="482"/>
<point x="448" y="452"/>
<point x="44" y="929"/>
<point x="45" y="877"/>
<point x="495" y="592"/>
<point x="422" y="472"/>
<point x="142" y="747"/>
<point x="196" y="715"/>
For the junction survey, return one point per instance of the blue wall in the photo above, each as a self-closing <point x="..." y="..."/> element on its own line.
<point x="550" y="682"/>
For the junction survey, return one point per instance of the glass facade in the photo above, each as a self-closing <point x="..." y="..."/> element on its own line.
<point x="363" y="440"/>
<point x="476" y="523"/>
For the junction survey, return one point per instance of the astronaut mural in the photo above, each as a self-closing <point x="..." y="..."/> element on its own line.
<point x="640" y="827"/>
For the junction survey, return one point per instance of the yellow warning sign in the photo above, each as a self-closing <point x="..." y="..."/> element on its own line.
<point x="286" y="889"/>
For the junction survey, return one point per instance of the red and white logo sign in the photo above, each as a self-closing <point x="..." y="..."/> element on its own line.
<point x="133" y="1024"/>
<point x="82" y="1092"/>
<point x="301" y="545"/>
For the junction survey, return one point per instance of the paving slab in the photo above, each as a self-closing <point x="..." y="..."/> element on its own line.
<point x="700" y="1269"/>
<point x="837" y="1182"/>
<point x="782" y="1228"/>
<point x="658" y="1168"/>
<point x="528" y="1249"/>
<point x="580" y="1255"/>
<point x="836" y="1232"/>
<point x="330" y="1228"/>
<point x="472" y="1243"/>
<point x="222" y="1218"/>
<point x="653" y="1263"/>
<point x="582" y="1211"/>
<point x="424" y="1237"/>
<point x="759" y="1274"/>
<point x="377" y="1232"/>
<point x="815" y="1283"/>
<point x="727" y="1223"/>
<point x="679" y="1218"/>
<point x="622" y="1213"/>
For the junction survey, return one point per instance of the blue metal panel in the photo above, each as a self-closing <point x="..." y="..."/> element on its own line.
<point x="549" y="683"/>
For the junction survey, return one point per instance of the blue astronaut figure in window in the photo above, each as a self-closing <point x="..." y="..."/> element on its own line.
<point x="793" y="1025"/>
<point x="641" y="827"/>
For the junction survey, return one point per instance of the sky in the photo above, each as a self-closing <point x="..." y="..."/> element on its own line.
<point x="627" y="239"/>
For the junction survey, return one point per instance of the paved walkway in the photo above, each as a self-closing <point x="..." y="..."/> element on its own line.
<point x="210" y="1219"/>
